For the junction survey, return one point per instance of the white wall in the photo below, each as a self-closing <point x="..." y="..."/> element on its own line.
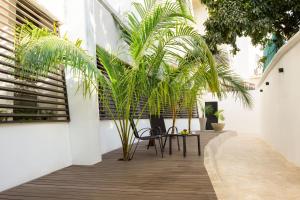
<point x="183" y="124"/>
<point x="28" y="151"/>
<point x="84" y="130"/>
<point x="78" y="22"/>
<point x="246" y="60"/>
<point x="239" y="118"/>
<point x="280" y="101"/>
<point x="108" y="34"/>
<point x="110" y="139"/>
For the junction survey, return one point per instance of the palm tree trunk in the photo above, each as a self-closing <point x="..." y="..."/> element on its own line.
<point x="190" y="119"/>
<point x="174" y="115"/>
<point x="125" y="148"/>
<point x="125" y="145"/>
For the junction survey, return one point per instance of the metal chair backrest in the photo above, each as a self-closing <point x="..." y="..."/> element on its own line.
<point x="135" y="131"/>
<point x="158" y="122"/>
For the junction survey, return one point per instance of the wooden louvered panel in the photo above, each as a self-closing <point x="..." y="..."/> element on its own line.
<point x="104" y="114"/>
<point x="23" y="98"/>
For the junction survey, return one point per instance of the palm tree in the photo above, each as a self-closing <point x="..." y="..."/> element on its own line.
<point x="157" y="35"/>
<point x="167" y="57"/>
<point x="121" y="82"/>
<point x="160" y="37"/>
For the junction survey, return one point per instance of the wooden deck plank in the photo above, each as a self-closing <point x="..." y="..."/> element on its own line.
<point x="146" y="177"/>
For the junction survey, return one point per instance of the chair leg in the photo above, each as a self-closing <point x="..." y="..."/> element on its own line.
<point x="135" y="149"/>
<point x="165" y="143"/>
<point x="178" y="143"/>
<point x="155" y="147"/>
<point x="161" y="147"/>
<point x="148" y="145"/>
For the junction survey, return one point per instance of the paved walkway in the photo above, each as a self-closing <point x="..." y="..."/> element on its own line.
<point x="246" y="168"/>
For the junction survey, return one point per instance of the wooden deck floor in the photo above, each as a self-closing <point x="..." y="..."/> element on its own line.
<point x="144" y="178"/>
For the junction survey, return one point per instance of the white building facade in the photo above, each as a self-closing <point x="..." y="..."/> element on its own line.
<point x="31" y="150"/>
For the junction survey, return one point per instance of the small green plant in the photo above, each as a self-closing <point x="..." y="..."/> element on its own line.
<point x="184" y="132"/>
<point x="219" y="115"/>
<point x="206" y="110"/>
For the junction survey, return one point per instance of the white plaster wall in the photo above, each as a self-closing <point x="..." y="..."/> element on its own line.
<point x="183" y="124"/>
<point x="84" y="127"/>
<point x="110" y="139"/>
<point x="246" y="60"/>
<point x="78" y="22"/>
<point x="121" y="7"/>
<point x="107" y="33"/>
<point x="280" y="100"/>
<point x="239" y="118"/>
<point x="28" y="151"/>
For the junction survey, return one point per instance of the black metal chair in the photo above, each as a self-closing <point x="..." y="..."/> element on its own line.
<point x="158" y="124"/>
<point x="152" y="135"/>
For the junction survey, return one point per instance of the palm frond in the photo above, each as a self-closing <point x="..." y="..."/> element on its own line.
<point x="145" y="31"/>
<point x="41" y="51"/>
<point x="232" y="83"/>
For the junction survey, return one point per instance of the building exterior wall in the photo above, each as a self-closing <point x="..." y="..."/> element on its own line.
<point x="29" y="151"/>
<point x="280" y="99"/>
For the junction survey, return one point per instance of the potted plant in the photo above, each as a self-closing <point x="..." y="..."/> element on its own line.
<point x="219" y="126"/>
<point x="206" y="110"/>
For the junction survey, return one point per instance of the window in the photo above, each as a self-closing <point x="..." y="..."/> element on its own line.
<point x="23" y="99"/>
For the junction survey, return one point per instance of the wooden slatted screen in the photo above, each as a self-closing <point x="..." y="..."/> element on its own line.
<point x="104" y="114"/>
<point x="182" y="113"/>
<point x="21" y="98"/>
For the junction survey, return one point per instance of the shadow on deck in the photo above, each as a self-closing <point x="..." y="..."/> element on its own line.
<point x="146" y="177"/>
